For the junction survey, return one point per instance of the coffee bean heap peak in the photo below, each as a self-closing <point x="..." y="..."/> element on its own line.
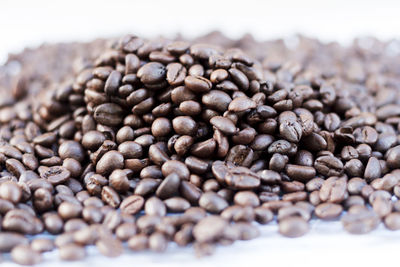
<point x="152" y="128"/>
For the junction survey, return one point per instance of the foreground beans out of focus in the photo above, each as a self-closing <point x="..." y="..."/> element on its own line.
<point x="158" y="141"/>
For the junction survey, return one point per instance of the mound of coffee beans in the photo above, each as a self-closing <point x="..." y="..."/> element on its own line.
<point x="159" y="141"/>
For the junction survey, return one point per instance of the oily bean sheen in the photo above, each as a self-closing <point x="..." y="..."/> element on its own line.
<point x="223" y="124"/>
<point x="108" y="114"/>
<point x="152" y="73"/>
<point x="110" y="161"/>
<point x="132" y="204"/>
<point x="222" y="137"/>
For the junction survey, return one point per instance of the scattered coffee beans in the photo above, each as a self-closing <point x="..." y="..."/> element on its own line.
<point x="147" y="128"/>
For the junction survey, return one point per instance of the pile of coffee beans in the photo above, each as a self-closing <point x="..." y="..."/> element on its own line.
<point x="159" y="141"/>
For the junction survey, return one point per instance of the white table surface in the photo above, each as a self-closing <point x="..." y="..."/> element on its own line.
<point x="30" y="23"/>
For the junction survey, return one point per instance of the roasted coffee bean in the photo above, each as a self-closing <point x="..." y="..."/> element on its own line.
<point x="152" y="73"/>
<point x="209" y="229"/>
<point x="42" y="245"/>
<point x="177" y="204"/>
<point x="333" y="190"/>
<point x="177" y="167"/>
<point x="223" y="124"/>
<point x="110" y="161"/>
<point x="291" y="211"/>
<point x="56" y="174"/>
<point x="132" y="204"/>
<point x="108" y="114"/>
<point x="169" y="186"/>
<point x="71" y="252"/>
<point x="263" y="215"/>
<point x="109" y="247"/>
<point x="293" y="227"/>
<point x="212" y="202"/>
<point x="236" y="177"/>
<point x="68" y="210"/>
<point x="25" y="255"/>
<point x="198" y="84"/>
<point x="130" y="149"/>
<point x="300" y="173"/>
<point x="110" y="196"/>
<point x="240" y="104"/>
<point x="392" y="221"/>
<point x="138" y="242"/>
<point x="238" y="213"/>
<point x="361" y="222"/>
<point x="328" y="166"/>
<point x="373" y="169"/>
<point x="328" y="211"/>
<point x="246" y="198"/>
<point x="10" y="191"/>
<point x="9" y="240"/>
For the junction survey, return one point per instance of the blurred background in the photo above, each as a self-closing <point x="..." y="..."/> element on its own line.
<point x="30" y="23"/>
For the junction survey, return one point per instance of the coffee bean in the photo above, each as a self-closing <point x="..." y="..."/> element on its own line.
<point x="10" y="191"/>
<point x="161" y="127"/>
<point x="190" y="192"/>
<point x="132" y="204"/>
<point x="184" y="125"/>
<point x="209" y="229"/>
<point x="291" y="131"/>
<point x="263" y="215"/>
<point x="241" y="104"/>
<point x="9" y="240"/>
<point x="392" y="221"/>
<point x="71" y="252"/>
<point x="212" y="202"/>
<point x="216" y="100"/>
<point x="239" y="78"/>
<point x="42" y="245"/>
<point x="246" y="198"/>
<point x="328" y="165"/>
<point x="110" y="161"/>
<point x="361" y="222"/>
<point x="109" y="247"/>
<point x="169" y="186"/>
<point x="328" y="211"/>
<point x="152" y="73"/>
<point x="18" y="220"/>
<point x="138" y="242"/>
<point x="154" y="206"/>
<point x="373" y="169"/>
<point x="24" y="255"/>
<point x="110" y="196"/>
<point x="112" y="83"/>
<point x="224" y="125"/>
<point x="236" y="177"/>
<point x="56" y="175"/>
<point x="108" y="114"/>
<point x="198" y="84"/>
<point x="15" y="167"/>
<point x="300" y="173"/>
<point x="176" y="204"/>
<point x="333" y="190"/>
<point x="293" y="227"/>
<point x="68" y="210"/>
<point x="177" y="167"/>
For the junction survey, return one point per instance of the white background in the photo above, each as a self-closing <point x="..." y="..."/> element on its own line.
<point x="30" y="23"/>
